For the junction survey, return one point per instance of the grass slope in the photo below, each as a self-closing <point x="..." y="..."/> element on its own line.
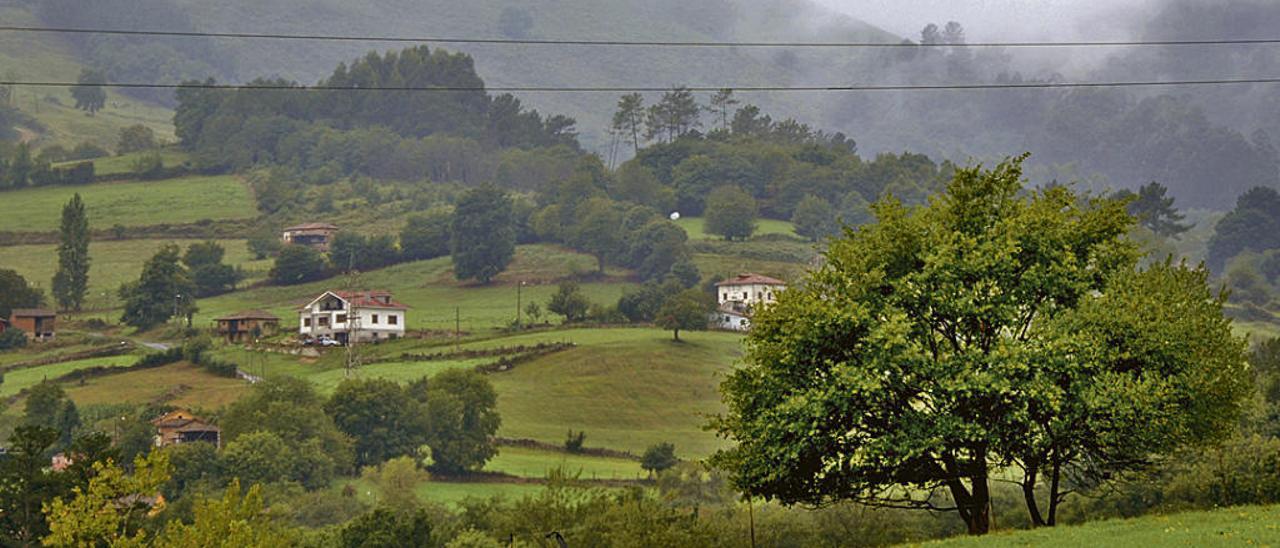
<point x="16" y="381"/>
<point x="432" y="294"/>
<point x="182" y="200"/>
<point x="37" y="57"/>
<point x="1240" y="526"/>
<point x="180" y="384"/>
<point x="113" y="263"/>
<point x="632" y="390"/>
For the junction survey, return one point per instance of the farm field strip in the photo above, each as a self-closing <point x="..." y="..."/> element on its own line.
<point x="134" y="203"/>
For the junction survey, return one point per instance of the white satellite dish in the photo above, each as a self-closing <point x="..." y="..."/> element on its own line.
<point x="675" y="216"/>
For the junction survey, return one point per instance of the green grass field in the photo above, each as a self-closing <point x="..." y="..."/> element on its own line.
<point x="36" y="57"/>
<point x="117" y="165"/>
<point x="432" y="294"/>
<point x="1241" y="526"/>
<point x="534" y="463"/>
<point x="694" y="226"/>
<point x="182" y="200"/>
<point x="16" y="381"/>
<point x="113" y="263"/>
<point x="629" y="389"/>
<point x="180" y="384"/>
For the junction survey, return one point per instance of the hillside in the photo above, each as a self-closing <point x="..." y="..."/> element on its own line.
<point x="48" y="115"/>
<point x="1241" y="526"/>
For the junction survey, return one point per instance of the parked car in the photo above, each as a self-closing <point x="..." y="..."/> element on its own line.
<point x="326" y="340"/>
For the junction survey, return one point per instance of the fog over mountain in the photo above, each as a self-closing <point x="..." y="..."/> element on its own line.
<point x="1206" y="143"/>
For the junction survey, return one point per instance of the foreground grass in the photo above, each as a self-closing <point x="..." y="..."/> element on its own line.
<point x="1240" y="526"/>
<point x="627" y="393"/>
<point x="432" y="294"/>
<point x="182" y="200"/>
<point x="114" y="263"/>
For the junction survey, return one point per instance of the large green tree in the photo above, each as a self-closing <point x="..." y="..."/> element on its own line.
<point x="996" y="328"/>
<point x="730" y="213"/>
<point x="381" y="417"/>
<point x="484" y="236"/>
<point x="90" y="93"/>
<point x="291" y="409"/>
<point x="1254" y="225"/>
<point x="426" y="236"/>
<point x="164" y="290"/>
<point x="687" y="310"/>
<point x="1153" y="208"/>
<point x="463" y="409"/>
<point x="71" y="281"/>
<point x="297" y="264"/>
<point x="16" y="293"/>
<point x="815" y="219"/>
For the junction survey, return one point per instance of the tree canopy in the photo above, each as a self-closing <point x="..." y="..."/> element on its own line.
<point x="996" y="327"/>
<point x="484" y="238"/>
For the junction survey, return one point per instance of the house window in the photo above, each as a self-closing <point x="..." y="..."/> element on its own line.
<point x="306" y="322"/>
<point x="324" y="321"/>
<point x="375" y="319"/>
<point x="724" y="296"/>
<point x="393" y="320"/>
<point x="342" y="318"/>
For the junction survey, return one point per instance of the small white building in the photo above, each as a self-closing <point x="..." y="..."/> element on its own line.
<point x="358" y="315"/>
<point x="740" y="295"/>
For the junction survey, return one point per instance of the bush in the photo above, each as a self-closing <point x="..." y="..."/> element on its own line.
<point x="12" y="338"/>
<point x="659" y="457"/>
<point x="573" y="442"/>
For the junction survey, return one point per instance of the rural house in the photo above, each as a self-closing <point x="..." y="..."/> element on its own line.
<point x="314" y="235"/>
<point x="181" y="426"/>
<point x="37" y="323"/>
<point x="357" y="315"/>
<point x="738" y="296"/>
<point x="247" y="325"/>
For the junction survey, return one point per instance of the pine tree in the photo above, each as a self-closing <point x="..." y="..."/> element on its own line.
<point x="72" y="279"/>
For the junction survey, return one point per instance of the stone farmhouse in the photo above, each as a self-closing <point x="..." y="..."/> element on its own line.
<point x="739" y="296"/>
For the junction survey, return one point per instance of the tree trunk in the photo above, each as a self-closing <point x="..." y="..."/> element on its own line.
<point x="1054" y="485"/>
<point x="675" y="333"/>
<point x="1029" y="494"/>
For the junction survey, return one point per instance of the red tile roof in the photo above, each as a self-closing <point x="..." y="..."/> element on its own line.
<point x="369" y="299"/>
<point x="749" y="279"/>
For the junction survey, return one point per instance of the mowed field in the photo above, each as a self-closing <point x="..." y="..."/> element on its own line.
<point x="180" y="384"/>
<point x="114" y="262"/>
<point x="1240" y="526"/>
<point x="135" y="203"/>
<point x="631" y="392"/>
<point x="433" y="295"/>
<point x="21" y="379"/>
<point x="694" y="226"/>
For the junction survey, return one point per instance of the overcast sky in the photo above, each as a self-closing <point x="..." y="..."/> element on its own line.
<point x="1000" y="19"/>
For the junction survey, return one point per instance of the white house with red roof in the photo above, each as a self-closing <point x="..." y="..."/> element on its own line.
<point x="740" y="296"/>
<point x="353" y="315"/>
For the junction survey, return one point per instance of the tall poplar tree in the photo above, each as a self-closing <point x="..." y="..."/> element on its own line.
<point x="72" y="279"/>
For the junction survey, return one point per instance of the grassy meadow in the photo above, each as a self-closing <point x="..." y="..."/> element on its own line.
<point x="180" y="384"/>
<point x="135" y="203"/>
<point x="538" y="464"/>
<point x="115" y="262"/>
<point x="21" y="379"/>
<point x="429" y="289"/>
<point x="1240" y="526"/>
<point x="694" y="226"/>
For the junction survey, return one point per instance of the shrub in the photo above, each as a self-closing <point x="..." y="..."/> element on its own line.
<point x="12" y="338"/>
<point x="573" y="442"/>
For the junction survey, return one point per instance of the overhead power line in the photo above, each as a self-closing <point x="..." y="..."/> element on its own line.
<point x="633" y="43"/>
<point x="652" y="89"/>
